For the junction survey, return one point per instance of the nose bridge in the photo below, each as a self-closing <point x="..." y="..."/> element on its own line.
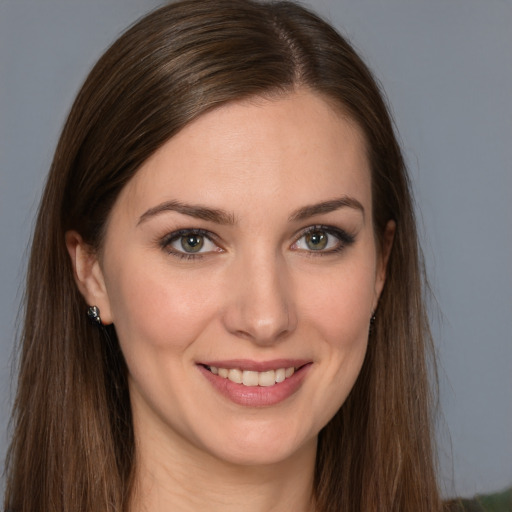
<point x="261" y="306"/>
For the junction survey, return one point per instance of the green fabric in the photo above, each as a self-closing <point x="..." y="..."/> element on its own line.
<point x="497" y="502"/>
<point x="462" y="505"/>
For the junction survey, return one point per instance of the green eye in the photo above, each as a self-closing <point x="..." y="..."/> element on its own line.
<point x="323" y="240"/>
<point x="191" y="242"/>
<point x="316" y="240"/>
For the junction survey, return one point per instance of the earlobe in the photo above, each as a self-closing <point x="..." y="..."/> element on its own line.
<point x="385" y="250"/>
<point x="88" y="274"/>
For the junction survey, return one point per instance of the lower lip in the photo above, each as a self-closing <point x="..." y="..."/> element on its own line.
<point x="257" y="396"/>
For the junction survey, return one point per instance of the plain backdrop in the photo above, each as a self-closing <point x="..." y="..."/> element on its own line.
<point x="446" y="66"/>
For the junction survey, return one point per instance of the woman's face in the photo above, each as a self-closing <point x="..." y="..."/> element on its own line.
<point x="244" y="247"/>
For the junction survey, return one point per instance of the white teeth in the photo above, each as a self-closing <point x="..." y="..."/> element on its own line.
<point x="252" y="378"/>
<point x="267" y="378"/>
<point x="235" y="375"/>
<point x="280" y="375"/>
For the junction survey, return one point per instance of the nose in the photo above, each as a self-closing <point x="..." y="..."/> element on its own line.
<point x="260" y="304"/>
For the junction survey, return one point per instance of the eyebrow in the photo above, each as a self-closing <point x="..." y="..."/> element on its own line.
<point x="219" y="216"/>
<point x="326" y="207"/>
<point x="199" y="212"/>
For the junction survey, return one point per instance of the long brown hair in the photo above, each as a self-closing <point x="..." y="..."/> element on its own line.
<point x="73" y="443"/>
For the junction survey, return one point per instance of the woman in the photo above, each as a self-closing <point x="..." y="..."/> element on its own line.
<point x="229" y="205"/>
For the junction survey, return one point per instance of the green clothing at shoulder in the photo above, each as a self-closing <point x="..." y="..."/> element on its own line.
<point x="498" y="502"/>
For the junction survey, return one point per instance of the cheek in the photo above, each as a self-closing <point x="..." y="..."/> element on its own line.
<point x="153" y="310"/>
<point x="340" y="304"/>
<point x="337" y="309"/>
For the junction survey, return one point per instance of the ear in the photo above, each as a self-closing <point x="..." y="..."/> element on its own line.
<point x="382" y="259"/>
<point x="88" y="275"/>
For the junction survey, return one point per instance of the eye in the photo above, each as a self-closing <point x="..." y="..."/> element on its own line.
<point x="323" y="239"/>
<point x="189" y="243"/>
<point x="317" y="240"/>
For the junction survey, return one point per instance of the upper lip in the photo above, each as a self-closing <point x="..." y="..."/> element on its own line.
<point x="256" y="366"/>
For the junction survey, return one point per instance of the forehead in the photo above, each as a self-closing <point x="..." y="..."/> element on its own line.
<point x="278" y="153"/>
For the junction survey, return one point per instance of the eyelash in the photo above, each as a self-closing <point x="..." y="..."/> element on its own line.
<point x="344" y="238"/>
<point x="167" y="240"/>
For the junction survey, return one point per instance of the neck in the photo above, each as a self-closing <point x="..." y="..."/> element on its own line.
<point x="181" y="477"/>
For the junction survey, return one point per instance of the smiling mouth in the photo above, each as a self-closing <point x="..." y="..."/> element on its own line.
<point x="252" y="378"/>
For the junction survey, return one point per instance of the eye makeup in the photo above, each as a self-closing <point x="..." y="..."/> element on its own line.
<point x="190" y="243"/>
<point x="322" y="240"/>
<point x="316" y="240"/>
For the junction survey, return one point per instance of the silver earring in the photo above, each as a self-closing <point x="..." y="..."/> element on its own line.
<point x="93" y="313"/>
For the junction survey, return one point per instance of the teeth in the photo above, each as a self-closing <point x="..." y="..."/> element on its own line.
<point x="267" y="378"/>
<point x="252" y="378"/>
<point x="235" y="376"/>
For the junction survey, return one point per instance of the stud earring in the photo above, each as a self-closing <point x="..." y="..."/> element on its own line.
<point x="372" y="323"/>
<point x="93" y="313"/>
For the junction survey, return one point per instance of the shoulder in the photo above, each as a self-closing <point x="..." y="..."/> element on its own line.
<point x="497" y="502"/>
<point x="463" y="505"/>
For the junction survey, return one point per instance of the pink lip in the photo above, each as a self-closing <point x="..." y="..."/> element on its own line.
<point x="256" y="366"/>
<point x="257" y="396"/>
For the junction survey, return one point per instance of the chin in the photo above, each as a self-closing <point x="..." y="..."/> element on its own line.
<point x="261" y="454"/>
<point x="261" y="445"/>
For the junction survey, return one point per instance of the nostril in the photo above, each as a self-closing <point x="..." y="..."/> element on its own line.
<point x="260" y="310"/>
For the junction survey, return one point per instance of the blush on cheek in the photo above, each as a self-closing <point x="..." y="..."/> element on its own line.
<point x="162" y="312"/>
<point x="340" y="312"/>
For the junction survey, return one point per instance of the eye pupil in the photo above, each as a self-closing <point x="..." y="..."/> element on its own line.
<point x="317" y="240"/>
<point x="192" y="243"/>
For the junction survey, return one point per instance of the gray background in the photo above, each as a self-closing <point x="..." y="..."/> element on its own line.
<point x="446" y="66"/>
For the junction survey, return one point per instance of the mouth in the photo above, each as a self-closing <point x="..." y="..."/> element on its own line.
<point x="252" y="378"/>
<point x="256" y="384"/>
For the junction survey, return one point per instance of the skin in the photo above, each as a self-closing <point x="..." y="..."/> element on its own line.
<point x="257" y="292"/>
